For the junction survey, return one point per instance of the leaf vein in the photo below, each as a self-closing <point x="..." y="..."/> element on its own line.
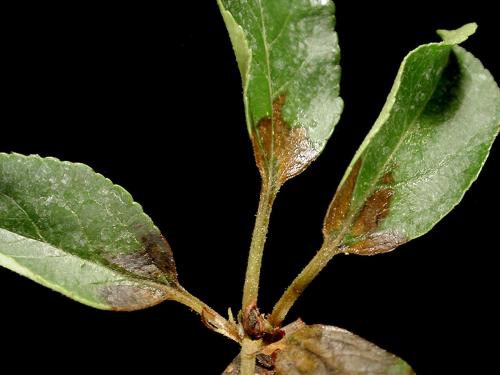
<point x="282" y="29"/>
<point x="35" y="226"/>
<point x="293" y="75"/>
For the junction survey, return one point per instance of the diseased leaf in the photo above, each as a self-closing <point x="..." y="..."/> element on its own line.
<point x="327" y="350"/>
<point x="288" y="56"/>
<point x="70" y="229"/>
<point x="424" y="151"/>
<point x="324" y="350"/>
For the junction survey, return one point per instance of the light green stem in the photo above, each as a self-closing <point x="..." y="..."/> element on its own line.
<point x="251" y="287"/>
<point x="301" y="282"/>
<point x="249" y="349"/>
<point x="211" y="318"/>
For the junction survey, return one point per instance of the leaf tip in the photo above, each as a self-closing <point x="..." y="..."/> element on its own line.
<point x="459" y="35"/>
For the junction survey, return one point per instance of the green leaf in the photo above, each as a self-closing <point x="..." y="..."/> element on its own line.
<point x="288" y="56"/>
<point x="424" y="151"/>
<point x="323" y="350"/>
<point x="70" y="229"/>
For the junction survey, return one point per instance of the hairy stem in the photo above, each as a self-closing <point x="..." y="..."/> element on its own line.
<point x="302" y="281"/>
<point x="210" y="317"/>
<point x="251" y="288"/>
<point x="249" y="349"/>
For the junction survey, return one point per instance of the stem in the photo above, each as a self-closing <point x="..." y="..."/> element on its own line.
<point x="251" y="288"/>
<point x="210" y="317"/>
<point x="249" y="349"/>
<point x="302" y="281"/>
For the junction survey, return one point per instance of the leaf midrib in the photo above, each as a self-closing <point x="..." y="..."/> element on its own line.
<point x="39" y="231"/>
<point x="270" y="91"/>
<point x="110" y="266"/>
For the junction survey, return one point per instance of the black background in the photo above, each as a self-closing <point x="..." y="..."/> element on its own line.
<point x="150" y="97"/>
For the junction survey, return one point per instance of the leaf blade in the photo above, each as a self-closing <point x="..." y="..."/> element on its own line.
<point x="442" y="94"/>
<point x="326" y="350"/>
<point x="288" y="58"/>
<point x="72" y="230"/>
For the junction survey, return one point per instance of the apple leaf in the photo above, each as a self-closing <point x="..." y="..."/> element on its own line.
<point x="425" y="150"/>
<point x="70" y="229"/>
<point x="288" y="56"/>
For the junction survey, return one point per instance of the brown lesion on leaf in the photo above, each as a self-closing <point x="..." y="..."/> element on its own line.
<point x="154" y="261"/>
<point x="377" y="243"/>
<point x="339" y="208"/>
<point x="130" y="297"/>
<point x="327" y="350"/>
<point x="387" y="179"/>
<point x="161" y="253"/>
<point x="366" y="221"/>
<point x="281" y="152"/>
<point x="375" y="209"/>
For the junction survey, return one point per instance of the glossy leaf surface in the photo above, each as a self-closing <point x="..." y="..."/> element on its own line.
<point x="288" y="56"/>
<point x="424" y="151"/>
<point x="70" y="229"/>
